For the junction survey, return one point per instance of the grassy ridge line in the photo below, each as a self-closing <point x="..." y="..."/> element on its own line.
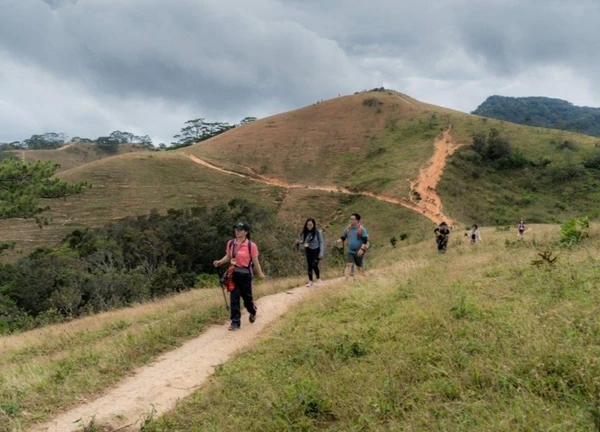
<point x="45" y="371"/>
<point x="479" y="341"/>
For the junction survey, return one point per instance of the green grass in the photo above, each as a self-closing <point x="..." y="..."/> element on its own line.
<point x="478" y="194"/>
<point x="477" y="339"/>
<point x="44" y="371"/>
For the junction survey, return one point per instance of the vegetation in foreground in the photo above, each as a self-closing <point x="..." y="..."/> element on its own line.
<point x="478" y="339"/>
<point x="132" y="261"/>
<point x="498" y="336"/>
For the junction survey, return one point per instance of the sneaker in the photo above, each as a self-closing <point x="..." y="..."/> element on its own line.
<point x="309" y="284"/>
<point x="252" y="318"/>
<point x="319" y="282"/>
<point x="233" y="328"/>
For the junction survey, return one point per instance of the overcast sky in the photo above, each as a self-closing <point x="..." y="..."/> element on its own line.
<point x="88" y="67"/>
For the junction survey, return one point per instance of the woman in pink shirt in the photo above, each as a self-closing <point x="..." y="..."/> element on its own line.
<point x="243" y="255"/>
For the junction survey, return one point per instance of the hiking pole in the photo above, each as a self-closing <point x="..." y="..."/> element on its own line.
<point x="225" y="298"/>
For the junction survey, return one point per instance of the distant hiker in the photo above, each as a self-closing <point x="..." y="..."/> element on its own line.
<point x="242" y="254"/>
<point x="358" y="243"/>
<point x="311" y="240"/>
<point x="521" y="228"/>
<point x="474" y="234"/>
<point x="441" y="237"/>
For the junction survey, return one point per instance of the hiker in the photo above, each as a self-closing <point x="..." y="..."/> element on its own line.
<point x="441" y="237"/>
<point x="474" y="234"/>
<point x="521" y="228"/>
<point x="311" y="239"/>
<point x="242" y="254"/>
<point x="358" y="243"/>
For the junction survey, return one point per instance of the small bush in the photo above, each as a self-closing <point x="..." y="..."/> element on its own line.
<point x="568" y="145"/>
<point x="574" y="230"/>
<point x="372" y="102"/>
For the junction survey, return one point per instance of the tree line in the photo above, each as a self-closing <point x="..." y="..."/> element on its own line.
<point x="543" y="112"/>
<point x="193" y="131"/>
<point x="134" y="260"/>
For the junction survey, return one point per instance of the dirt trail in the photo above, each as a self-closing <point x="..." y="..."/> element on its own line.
<point x="423" y="196"/>
<point x="423" y="191"/>
<point x="66" y="147"/>
<point x="175" y="374"/>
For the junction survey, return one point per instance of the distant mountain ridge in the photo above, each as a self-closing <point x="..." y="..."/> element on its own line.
<point x="542" y="111"/>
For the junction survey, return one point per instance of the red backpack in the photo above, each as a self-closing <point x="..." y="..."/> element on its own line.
<point x="226" y="280"/>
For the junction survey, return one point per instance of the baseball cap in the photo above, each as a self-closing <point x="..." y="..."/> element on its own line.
<point x="242" y="226"/>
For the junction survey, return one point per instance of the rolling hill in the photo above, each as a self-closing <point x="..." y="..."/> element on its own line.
<point x="339" y="156"/>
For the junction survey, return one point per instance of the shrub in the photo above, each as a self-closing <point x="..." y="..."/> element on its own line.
<point x="372" y="102"/>
<point x="574" y="230"/>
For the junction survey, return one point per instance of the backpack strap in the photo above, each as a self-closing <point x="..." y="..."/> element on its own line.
<point x="250" y="255"/>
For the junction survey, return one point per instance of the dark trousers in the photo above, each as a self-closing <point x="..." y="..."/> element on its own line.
<point x="312" y="259"/>
<point x="442" y="243"/>
<point x="243" y="289"/>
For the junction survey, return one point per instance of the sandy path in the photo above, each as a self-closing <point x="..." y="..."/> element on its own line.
<point x="424" y="187"/>
<point x="428" y="203"/>
<point x="175" y="374"/>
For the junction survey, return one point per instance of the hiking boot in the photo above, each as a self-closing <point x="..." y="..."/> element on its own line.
<point x="309" y="284"/>
<point x="252" y="318"/>
<point x="233" y="328"/>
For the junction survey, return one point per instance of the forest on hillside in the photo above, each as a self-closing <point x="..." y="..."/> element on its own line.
<point x="133" y="260"/>
<point x="542" y="111"/>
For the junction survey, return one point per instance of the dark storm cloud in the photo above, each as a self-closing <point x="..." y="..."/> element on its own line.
<point x="142" y="63"/>
<point x="194" y="52"/>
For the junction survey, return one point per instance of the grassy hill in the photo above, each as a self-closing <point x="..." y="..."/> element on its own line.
<point x="368" y="142"/>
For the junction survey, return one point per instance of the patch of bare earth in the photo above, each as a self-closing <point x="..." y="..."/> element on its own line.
<point x="423" y="191"/>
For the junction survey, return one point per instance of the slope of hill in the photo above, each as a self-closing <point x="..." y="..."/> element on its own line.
<point x="542" y="111"/>
<point x="371" y="144"/>
<point x="380" y="141"/>
<point x="73" y="155"/>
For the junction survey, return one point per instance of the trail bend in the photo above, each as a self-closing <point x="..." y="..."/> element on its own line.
<point x="423" y="197"/>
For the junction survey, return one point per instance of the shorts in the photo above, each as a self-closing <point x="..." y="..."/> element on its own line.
<point x="354" y="259"/>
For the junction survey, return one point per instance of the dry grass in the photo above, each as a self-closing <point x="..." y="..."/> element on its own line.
<point x="73" y="155"/>
<point x="330" y="143"/>
<point x="129" y="185"/>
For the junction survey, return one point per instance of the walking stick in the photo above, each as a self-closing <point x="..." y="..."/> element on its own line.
<point x="225" y="298"/>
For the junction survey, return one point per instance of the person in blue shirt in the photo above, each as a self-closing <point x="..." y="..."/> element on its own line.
<point x="357" y="240"/>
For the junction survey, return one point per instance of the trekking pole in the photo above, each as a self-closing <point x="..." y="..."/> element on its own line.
<point x="225" y="298"/>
